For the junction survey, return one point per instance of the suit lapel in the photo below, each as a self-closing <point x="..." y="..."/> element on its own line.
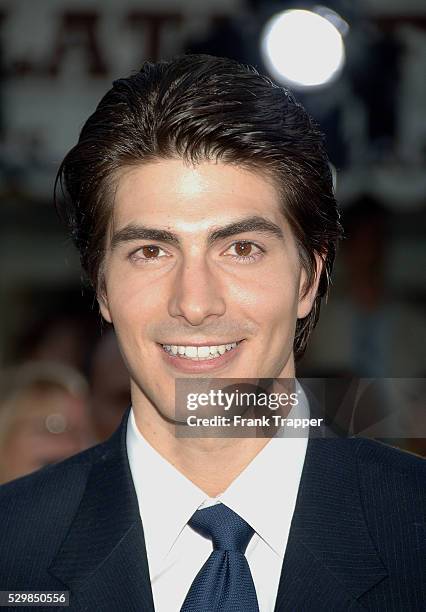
<point x="103" y="557"/>
<point x="330" y="560"/>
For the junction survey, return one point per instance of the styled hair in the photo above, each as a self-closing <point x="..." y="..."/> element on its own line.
<point x="201" y="108"/>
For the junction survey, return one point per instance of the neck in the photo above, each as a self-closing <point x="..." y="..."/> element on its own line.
<point x="212" y="464"/>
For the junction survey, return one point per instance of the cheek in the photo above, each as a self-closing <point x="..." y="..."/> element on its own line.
<point x="129" y="299"/>
<point x="279" y="315"/>
<point x="268" y="297"/>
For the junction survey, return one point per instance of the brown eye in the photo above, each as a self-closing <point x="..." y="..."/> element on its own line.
<point x="150" y="252"/>
<point x="243" y="249"/>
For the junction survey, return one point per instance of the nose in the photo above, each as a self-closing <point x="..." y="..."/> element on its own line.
<point x="197" y="293"/>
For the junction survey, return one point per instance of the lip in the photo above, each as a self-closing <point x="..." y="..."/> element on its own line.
<point x="203" y="343"/>
<point x="192" y="367"/>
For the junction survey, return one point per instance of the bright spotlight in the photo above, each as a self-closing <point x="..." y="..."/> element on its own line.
<point x="302" y="48"/>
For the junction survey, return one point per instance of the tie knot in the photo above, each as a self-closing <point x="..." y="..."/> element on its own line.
<point x="226" y="528"/>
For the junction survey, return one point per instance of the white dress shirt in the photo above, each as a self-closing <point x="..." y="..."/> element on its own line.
<point x="264" y="495"/>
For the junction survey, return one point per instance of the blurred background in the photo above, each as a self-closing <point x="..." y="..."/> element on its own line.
<point x="359" y="67"/>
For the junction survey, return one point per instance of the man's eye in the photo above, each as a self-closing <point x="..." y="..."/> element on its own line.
<point x="148" y="252"/>
<point x="245" y="251"/>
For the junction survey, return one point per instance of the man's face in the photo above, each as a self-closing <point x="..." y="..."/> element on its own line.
<point x="202" y="278"/>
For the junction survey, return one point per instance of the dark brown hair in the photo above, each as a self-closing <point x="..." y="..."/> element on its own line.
<point x="199" y="107"/>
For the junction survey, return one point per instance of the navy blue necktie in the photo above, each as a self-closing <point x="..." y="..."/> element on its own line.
<point x="224" y="583"/>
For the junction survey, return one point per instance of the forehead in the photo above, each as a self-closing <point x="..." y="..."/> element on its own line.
<point x="177" y="194"/>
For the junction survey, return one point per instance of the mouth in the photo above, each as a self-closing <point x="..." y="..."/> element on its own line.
<point x="200" y="358"/>
<point x="206" y="352"/>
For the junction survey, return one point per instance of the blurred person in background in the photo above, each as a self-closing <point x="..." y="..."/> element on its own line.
<point x="368" y="331"/>
<point x="44" y="417"/>
<point x="58" y="332"/>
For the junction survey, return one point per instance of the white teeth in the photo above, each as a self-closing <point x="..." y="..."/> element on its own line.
<point x="199" y="353"/>
<point x="191" y="351"/>
<point x="203" y="351"/>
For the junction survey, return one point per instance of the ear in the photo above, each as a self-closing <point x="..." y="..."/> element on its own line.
<point x="307" y="297"/>
<point x="102" y="298"/>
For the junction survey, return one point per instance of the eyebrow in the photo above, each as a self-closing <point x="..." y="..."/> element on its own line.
<point x="250" y="224"/>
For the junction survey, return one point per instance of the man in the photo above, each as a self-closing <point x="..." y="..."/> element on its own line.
<point x="200" y="198"/>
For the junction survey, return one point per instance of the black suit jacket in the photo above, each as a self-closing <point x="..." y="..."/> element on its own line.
<point x="357" y="539"/>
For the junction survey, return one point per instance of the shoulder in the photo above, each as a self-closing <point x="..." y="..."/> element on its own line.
<point x="378" y="457"/>
<point x="383" y="475"/>
<point x="42" y="486"/>
<point x="36" y="510"/>
<point x="392" y="484"/>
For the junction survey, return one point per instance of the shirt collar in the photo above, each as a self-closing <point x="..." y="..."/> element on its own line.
<point x="167" y="499"/>
<point x="274" y="474"/>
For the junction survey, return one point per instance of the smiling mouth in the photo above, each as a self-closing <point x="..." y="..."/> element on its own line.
<point x="199" y="353"/>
